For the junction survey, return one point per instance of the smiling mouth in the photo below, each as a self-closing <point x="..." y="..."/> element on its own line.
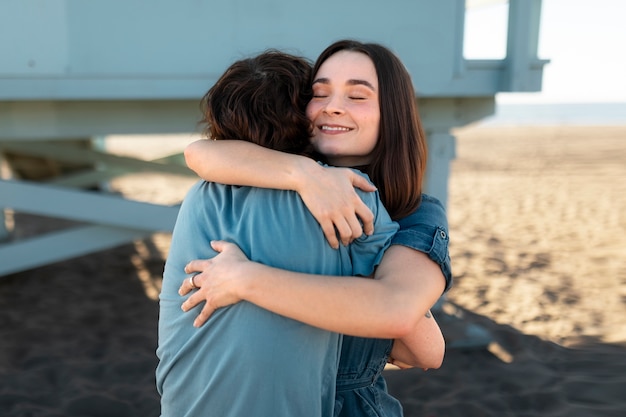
<point x="325" y="128"/>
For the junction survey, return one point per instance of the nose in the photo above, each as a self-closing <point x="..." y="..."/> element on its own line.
<point x="334" y="105"/>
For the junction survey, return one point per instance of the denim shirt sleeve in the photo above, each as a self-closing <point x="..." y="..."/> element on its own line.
<point x="426" y="230"/>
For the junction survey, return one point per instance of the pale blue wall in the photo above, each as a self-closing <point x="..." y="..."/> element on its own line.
<point x="166" y="49"/>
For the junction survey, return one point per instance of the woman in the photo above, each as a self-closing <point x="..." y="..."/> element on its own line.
<point x="364" y="115"/>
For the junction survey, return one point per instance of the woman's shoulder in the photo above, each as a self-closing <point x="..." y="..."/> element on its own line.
<point x="426" y="230"/>
<point x="430" y="211"/>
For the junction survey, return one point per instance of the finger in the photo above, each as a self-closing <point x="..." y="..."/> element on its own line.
<point x="191" y="302"/>
<point x="331" y="234"/>
<point x="203" y="316"/>
<point x="344" y="230"/>
<point x="190" y="283"/>
<point x="219" y="245"/>
<point x="194" y="266"/>
<point x="355" y="226"/>
<point x="367" y="218"/>
<point x="362" y="183"/>
<point x="184" y="289"/>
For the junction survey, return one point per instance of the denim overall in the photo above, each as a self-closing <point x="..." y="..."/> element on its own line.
<point x="361" y="388"/>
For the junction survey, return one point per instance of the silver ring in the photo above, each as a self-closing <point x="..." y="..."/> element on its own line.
<point x="193" y="284"/>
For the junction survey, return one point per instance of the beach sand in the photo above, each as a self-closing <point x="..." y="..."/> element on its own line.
<point x="534" y="322"/>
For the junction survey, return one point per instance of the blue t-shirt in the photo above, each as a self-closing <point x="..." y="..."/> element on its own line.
<point x="246" y="360"/>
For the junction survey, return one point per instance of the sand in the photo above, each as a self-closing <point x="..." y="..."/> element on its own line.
<point x="538" y="242"/>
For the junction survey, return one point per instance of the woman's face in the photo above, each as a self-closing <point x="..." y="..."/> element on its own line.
<point x="344" y="110"/>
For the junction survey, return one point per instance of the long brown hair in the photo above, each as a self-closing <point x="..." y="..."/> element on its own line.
<point x="400" y="154"/>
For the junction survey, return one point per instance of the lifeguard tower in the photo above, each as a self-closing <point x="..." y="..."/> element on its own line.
<point x="72" y="70"/>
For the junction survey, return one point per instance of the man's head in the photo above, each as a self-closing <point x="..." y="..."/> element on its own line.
<point x="262" y="100"/>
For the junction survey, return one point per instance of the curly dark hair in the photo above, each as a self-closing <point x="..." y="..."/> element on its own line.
<point x="262" y="100"/>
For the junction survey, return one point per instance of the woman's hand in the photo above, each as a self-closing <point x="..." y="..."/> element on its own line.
<point x="216" y="279"/>
<point x="330" y="197"/>
<point x="400" y="364"/>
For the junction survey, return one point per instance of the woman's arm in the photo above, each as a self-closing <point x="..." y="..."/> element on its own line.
<point x="389" y="306"/>
<point x="423" y="348"/>
<point x="328" y="193"/>
<point x="423" y="345"/>
<point x="237" y="162"/>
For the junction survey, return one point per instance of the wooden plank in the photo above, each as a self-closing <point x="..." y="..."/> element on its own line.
<point x="65" y="153"/>
<point x="57" y="246"/>
<point x="34" y="120"/>
<point x="86" y="179"/>
<point x="91" y="207"/>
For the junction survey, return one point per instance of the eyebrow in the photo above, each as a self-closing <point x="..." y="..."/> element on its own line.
<point x="349" y="82"/>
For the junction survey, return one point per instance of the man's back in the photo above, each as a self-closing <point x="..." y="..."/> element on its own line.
<point x="246" y="360"/>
